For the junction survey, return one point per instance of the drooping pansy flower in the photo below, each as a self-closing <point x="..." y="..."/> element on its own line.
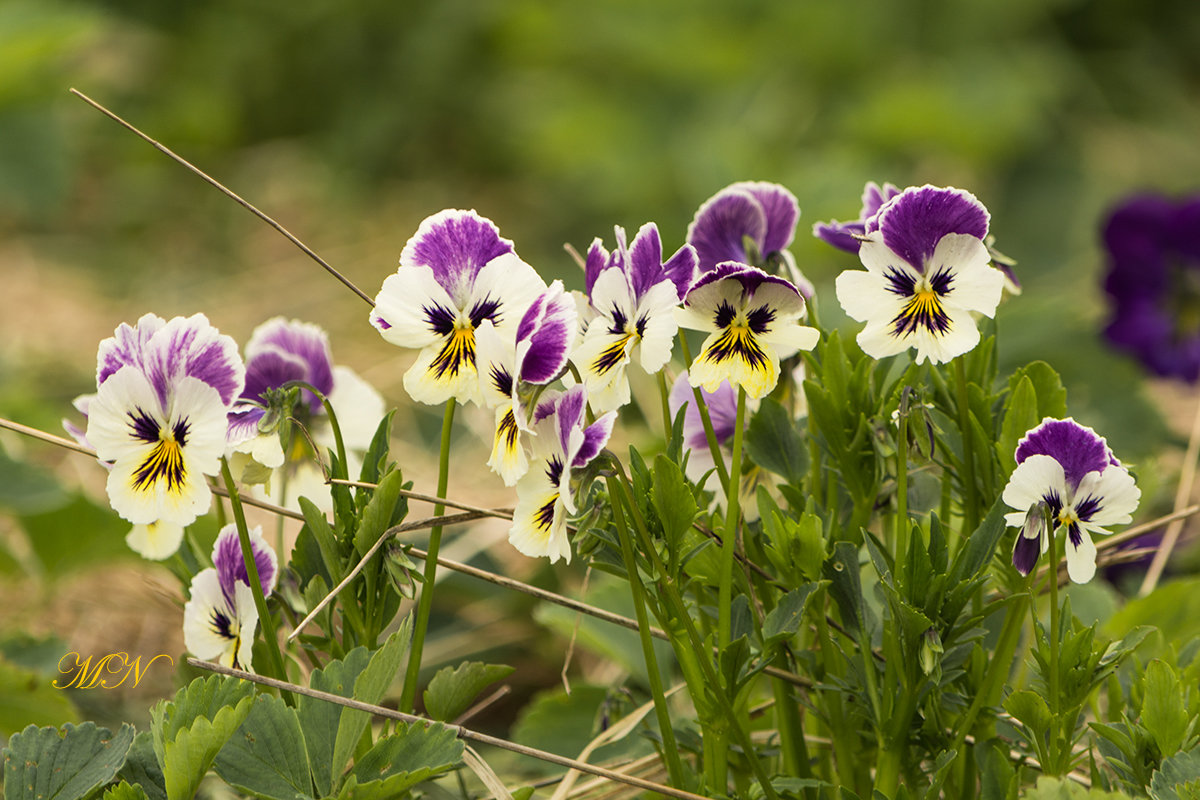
<point x="752" y="319"/>
<point x="281" y="351"/>
<point x="220" y="619"/>
<point x="532" y="355"/>
<point x="564" y="444"/>
<point x="927" y="270"/>
<point x="848" y="235"/>
<point x="751" y="222"/>
<point x="634" y="294"/>
<point x="159" y="418"/>
<point x="454" y="273"/>
<point x="722" y="413"/>
<point x="1066" y="477"/>
<point x="1154" y="283"/>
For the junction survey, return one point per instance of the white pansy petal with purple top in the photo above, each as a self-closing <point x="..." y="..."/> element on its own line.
<point x="410" y="308"/>
<point x="455" y="245"/>
<point x="126" y="346"/>
<point x="914" y="221"/>
<point x="546" y="335"/>
<point x="1077" y="448"/>
<point x="215" y="629"/>
<point x="231" y="566"/>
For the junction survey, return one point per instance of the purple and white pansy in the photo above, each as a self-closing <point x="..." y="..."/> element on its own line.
<point x="751" y="222"/>
<point x="511" y="365"/>
<point x="454" y="273"/>
<point x="752" y="319"/>
<point x="848" y="236"/>
<point x="1066" y="477"/>
<point x="564" y="444"/>
<point x="928" y="270"/>
<point x="281" y="351"/>
<point x="220" y="619"/>
<point x="722" y="413"/>
<point x="159" y="418"/>
<point x="635" y="294"/>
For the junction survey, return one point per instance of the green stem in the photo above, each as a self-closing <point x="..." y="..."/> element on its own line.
<point x="971" y="494"/>
<point x="661" y="711"/>
<point x="260" y="602"/>
<point x="902" y="527"/>
<point x="1054" y="654"/>
<point x="425" y="604"/>
<point x="732" y="515"/>
<point x="713" y="445"/>
<point x="664" y="394"/>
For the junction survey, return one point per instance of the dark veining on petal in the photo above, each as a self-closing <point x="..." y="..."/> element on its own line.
<point x="613" y="354"/>
<point x="1088" y="507"/>
<point x="543" y="518"/>
<point x="554" y="468"/>
<point x="724" y="316"/>
<point x="145" y="427"/>
<point x="501" y="380"/>
<point x="439" y="319"/>
<point x="924" y="307"/>
<point x="164" y="461"/>
<point x="487" y="308"/>
<point x="507" y="432"/>
<point x="457" y="353"/>
<point x="737" y="341"/>
<point x="760" y="319"/>
<point x="619" y="321"/>
<point x="221" y="624"/>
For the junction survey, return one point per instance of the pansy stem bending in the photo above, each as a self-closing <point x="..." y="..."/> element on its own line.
<point x="260" y="602"/>
<point x="425" y="604"/>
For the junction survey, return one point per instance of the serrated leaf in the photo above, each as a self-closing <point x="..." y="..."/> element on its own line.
<point x="1178" y="778"/>
<point x="125" y="791"/>
<point x="673" y="500"/>
<point x="1164" y="713"/>
<point x="773" y="442"/>
<point x="784" y="620"/>
<point x="370" y="687"/>
<point x="418" y="752"/>
<point x="977" y="553"/>
<point x="452" y="690"/>
<point x="190" y="730"/>
<point x="845" y="585"/>
<point x="42" y="764"/>
<point x="266" y="757"/>
<point x="1030" y="710"/>
<point x="141" y="767"/>
<point x="1063" y="789"/>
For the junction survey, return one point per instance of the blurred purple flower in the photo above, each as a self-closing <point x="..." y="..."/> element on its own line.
<point x="1154" y="282"/>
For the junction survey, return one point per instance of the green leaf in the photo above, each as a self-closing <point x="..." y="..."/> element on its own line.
<point x="842" y="571"/>
<point x="190" y="730"/>
<point x="319" y="718"/>
<point x="673" y="500"/>
<point x="558" y="722"/>
<point x="415" y="753"/>
<point x="773" y="442"/>
<point x="996" y="772"/>
<point x="1164" y="712"/>
<point x="977" y="553"/>
<point x="370" y="687"/>
<point x="375" y="460"/>
<point x="377" y="516"/>
<point x="1173" y="608"/>
<point x="44" y="764"/>
<point x="1063" y="789"/>
<point x="452" y="689"/>
<point x="1051" y="394"/>
<point x="30" y="700"/>
<point x="1019" y="418"/>
<point x="1029" y="709"/>
<point x="141" y="767"/>
<point x="1178" y="778"/>
<point x="28" y="489"/>
<point x="126" y="791"/>
<point x="267" y="757"/>
<point x="54" y="536"/>
<point x="784" y="620"/>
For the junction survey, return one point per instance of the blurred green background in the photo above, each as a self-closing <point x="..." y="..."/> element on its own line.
<point x="351" y="120"/>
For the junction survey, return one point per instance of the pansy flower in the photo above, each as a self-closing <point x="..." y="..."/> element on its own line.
<point x="1154" y="283"/>
<point x="159" y="416"/>
<point x="927" y="270"/>
<point x="281" y="351"/>
<point x="1066" y="477"/>
<point x="635" y="294"/>
<point x="220" y="619"/>
<point x="532" y="355"/>
<point x="751" y="222"/>
<point x="752" y="319"/>
<point x="454" y="273"/>
<point x="564" y="444"/>
<point x="848" y="236"/>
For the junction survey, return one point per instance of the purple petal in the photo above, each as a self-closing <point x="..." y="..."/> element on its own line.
<point x="271" y="369"/>
<point x="569" y="413"/>
<point x="645" y="260"/>
<point x="840" y="234"/>
<point x="549" y="327"/>
<point x="781" y="211"/>
<point x="873" y="198"/>
<point x="681" y="269"/>
<point x="595" y="436"/>
<point x="455" y="245"/>
<point x="126" y="346"/>
<point x="722" y="412"/>
<point x="914" y="221"/>
<point x="231" y="567"/>
<point x="1026" y="552"/>
<point x="303" y="340"/>
<point x="1076" y="447"/>
<point x="721" y="224"/>
<point x="749" y="277"/>
<point x="597" y="262"/>
<point x="193" y="348"/>
<point x="243" y="423"/>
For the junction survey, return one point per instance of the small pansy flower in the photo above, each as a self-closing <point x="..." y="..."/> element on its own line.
<point x="848" y="236"/>
<point x="281" y="351"/>
<point x="1154" y="283"/>
<point x="220" y="619"/>
<point x="564" y="444"/>
<point x="927" y="270"/>
<point x="722" y="413"/>
<point x="1066" y="477"/>
<point x="454" y="273"/>
<point x="751" y="222"/>
<point x="510" y="366"/>
<point x="752" y="319"/>
<point x="159" y="418"/>
<point x="635" y="294"/>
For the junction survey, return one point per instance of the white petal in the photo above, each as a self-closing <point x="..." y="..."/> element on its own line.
<point x="788" y="339"/>
<point x="877" y="340"/>
<point x="1081" y="560"/>
<point x="424" y="385"/>
<point x="494" y="352"/>
<point x="757" y="379"/>
<point x="532" y="533"/>
<point x="510" y="281"/>
<point x="1032" y="480"/>
<point x="877" y="257"/>
<point x="960" y="337"/>
<point x="612" y="292"/>
<point x="155" y="541"/>
<point x="658" y="335"/>
<point x="508" y="459"/>
<point x="400" y="314"/>
<point x="202" y="638"/>
<point x="977" y="286"/>
<point x="864" y="297"/>
<point x="1117" y="492"/>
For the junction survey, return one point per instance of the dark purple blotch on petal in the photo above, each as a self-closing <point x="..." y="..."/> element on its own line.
<point x="1076" y="447"/>
<point x="272" y="369"/>
<point x="231" y="567"/>
<point x="914" y="221"/>
<point x="595" y="436"/>
<point x="1026" y="552"/>
<point x="547" y="326"/>
<point x="304" y="341"/>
